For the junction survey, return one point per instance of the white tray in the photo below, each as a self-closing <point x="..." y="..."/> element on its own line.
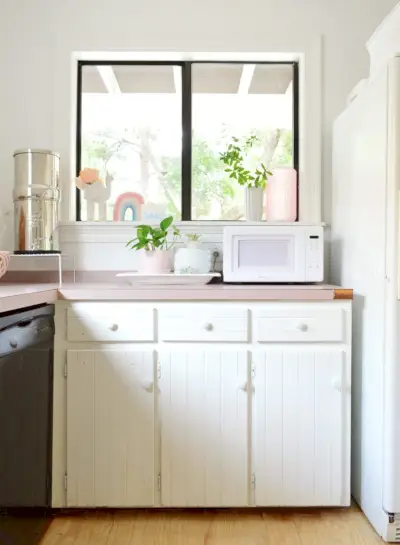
<point x="168" y="279"/>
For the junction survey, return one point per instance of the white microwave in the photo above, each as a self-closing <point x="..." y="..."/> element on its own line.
<point x="273" y="253"/>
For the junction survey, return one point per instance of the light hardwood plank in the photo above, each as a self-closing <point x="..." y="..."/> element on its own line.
<point x="213" y="527"/>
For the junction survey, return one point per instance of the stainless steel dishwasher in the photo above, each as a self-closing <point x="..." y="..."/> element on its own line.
<point x="26" y="399"/>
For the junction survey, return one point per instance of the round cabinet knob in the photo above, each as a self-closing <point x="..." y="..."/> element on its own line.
<point x="208" y="327"/>
<point x="341" y="386"/>
<point x="302" y="327"/>
<point x="114" y="327"/>
<point x="337" y="384"/>
<point x="13" y="343"/>
<point x="148" y="387"/>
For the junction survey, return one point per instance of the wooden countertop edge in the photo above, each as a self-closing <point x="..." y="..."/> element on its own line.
<point x="342" y="293"/>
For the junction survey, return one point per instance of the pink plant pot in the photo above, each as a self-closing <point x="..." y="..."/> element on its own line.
<point x="154" y="262"/>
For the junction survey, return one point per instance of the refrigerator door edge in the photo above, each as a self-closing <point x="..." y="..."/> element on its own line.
<point x="391" y="398"/>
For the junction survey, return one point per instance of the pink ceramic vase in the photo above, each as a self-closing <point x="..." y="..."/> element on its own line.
<point x="281" y="195"/>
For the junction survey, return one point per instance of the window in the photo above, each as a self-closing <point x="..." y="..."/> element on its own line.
<point x="155" y="131"/>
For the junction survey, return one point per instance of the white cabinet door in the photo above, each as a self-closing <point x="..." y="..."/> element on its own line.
<point x="204" y="427"/>
<point x="301" y="427"/>
<point x="110" y="428"/>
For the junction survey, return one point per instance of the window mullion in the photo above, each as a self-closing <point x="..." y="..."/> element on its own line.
<point x="187" y="141"/>
<point x="296" y="129"/>
<point x="78" y="140"/>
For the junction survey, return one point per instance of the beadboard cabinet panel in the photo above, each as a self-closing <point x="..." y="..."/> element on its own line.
<point x="110" y="428"/>
<point x="204" y="427"/>
<point x="301" y="427"/>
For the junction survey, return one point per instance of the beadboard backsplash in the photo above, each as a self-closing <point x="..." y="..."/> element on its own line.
<point x="103" y="247"/>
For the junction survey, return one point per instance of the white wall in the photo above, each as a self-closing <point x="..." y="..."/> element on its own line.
<point x="37" y="38"/>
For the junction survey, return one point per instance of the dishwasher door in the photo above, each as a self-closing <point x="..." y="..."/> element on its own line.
<point x="26" y="398"/>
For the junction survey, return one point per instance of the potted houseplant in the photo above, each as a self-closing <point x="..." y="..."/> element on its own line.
<point x="192" y="258"/>
<point x="155" y="254"/>
<point x="254" y="180"/>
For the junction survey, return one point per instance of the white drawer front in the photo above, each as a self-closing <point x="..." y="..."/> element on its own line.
<point x="299" y="325"/>
<point x="191" y="323"/>
<point x="110" y="322"/>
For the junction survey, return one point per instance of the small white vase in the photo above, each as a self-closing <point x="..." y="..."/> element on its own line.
<point x="254" y="203"/>
<point x="192" y="259"/>
<point x="154" y="262"/>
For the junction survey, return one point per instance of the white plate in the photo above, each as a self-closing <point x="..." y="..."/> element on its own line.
<point x="168" y="279"/>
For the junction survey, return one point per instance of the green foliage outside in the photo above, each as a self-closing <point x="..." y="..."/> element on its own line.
<point x="211" y="183"/>
<point x="236" y="158"/>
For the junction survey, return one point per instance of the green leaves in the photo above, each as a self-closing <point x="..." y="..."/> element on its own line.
<point x="234" y="157"/>
<point x="176" y="231"/>
<point x="150" y="238"/>
<point x="166" y="222"/>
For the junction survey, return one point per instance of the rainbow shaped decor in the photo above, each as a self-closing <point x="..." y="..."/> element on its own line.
<point x="125" y="202"/>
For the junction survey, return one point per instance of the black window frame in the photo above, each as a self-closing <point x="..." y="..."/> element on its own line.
<point x="186" y="67"/>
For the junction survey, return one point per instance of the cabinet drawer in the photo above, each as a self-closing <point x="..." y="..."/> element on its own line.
<point x="299" y="325"/>
<point x="203" y="324"/>
<point x="110" y="322"/>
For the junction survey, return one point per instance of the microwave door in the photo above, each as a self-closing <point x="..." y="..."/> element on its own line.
<point x="276" y="258"/>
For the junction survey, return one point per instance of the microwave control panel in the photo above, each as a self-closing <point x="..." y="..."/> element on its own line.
<point x="314" y="258"/>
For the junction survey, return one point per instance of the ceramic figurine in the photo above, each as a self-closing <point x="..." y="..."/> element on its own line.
<point x="96" y="192"/>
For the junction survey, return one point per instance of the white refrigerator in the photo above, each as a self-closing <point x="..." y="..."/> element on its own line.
<point x="365" y="256"/>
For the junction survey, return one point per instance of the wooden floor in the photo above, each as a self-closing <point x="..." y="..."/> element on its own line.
<point x="322" y="527"/>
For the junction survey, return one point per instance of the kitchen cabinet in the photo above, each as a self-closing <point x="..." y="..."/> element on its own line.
<point x="301" y="426"/>
<point x="110" y="428"/>
<point x="202" y="404"/>
<point x="204" y="427"/>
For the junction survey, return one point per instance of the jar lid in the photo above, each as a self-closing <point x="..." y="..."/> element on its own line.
<point x="32" y="150"/>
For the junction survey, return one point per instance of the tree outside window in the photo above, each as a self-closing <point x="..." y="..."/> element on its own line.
<point x="134" y="133"/>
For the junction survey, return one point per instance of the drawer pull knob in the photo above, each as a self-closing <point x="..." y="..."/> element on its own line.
<point x="208" y="327"/>
<point x="113" y="327"/>
<point x="302" y="327"/>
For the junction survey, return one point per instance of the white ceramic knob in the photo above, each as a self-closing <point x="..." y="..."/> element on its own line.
<point x="337" y="384"/>
<point x="302" y="327"/>
<point x="208" y="327"/>
<point x="113" y="327"/>
<point x="148" y="387"/>
<point x="340" y="386"/>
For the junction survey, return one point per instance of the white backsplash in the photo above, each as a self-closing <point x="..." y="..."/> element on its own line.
<point x="101" y="247"/>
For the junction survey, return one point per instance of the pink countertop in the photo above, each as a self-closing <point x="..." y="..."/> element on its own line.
<point x="14" y="296"/>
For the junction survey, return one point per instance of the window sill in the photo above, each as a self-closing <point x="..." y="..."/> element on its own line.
<point x="109" y="231"/>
